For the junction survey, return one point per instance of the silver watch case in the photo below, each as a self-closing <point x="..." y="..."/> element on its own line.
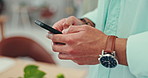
<point x="108" y="60"/>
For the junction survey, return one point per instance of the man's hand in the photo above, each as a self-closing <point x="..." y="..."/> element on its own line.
<point x="83" y="44"/>
<point x="66" y="22"/>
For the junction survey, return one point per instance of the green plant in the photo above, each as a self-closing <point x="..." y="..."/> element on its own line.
<point x="60" y="76"/>
<point x="32" y="71"/>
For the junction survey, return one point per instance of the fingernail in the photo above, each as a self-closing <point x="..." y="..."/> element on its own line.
<point x="49" y="32"/>
<point x="49" y="36"/>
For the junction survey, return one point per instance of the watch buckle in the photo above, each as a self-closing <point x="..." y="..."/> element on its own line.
<point x="111" y="53"/>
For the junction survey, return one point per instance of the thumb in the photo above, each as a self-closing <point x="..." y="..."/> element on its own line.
<point x="74" y="29"/>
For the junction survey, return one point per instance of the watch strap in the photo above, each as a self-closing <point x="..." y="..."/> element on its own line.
<point x="110" y="44"/>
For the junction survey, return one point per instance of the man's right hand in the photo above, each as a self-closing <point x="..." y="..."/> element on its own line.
<point x="66" y="22"/>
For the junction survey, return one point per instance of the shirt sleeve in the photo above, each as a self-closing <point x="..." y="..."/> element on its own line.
<point x="137" y="54"/>
<point x="92" y="15"/>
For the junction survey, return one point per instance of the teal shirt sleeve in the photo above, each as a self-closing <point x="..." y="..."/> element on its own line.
<point x="92" y="15"/>
<point x="137" y="54"/>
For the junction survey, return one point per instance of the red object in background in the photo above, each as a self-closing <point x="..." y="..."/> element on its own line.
<point x="46" y="13"/>
<point x="21" y="46"/>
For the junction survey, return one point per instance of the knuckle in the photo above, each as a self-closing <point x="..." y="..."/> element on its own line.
<point x="86" y="27"/>
<point x="70" y="50"/>
<point x="69" y="40"/>
<point x="63" y="20"/>
<point x="72" y="17"/>
<point x="56" y="38"/>
<point x="70" y="20"/>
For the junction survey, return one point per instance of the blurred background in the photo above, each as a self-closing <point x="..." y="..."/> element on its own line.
<point x="17" y="20"/>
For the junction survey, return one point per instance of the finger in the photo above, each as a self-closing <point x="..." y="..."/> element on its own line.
<point x="82" y="59"/>
<point x="88" y="60"/>
<point x="60" y="25"/>
<point x="61" y="38"/>
<point x="49" y="36"/>
<point x="67" y="56"/>
<point x="66" y="30"/>
<point x="64" y="38"/>
<point x="50" y="32"/>
<point x="86" y="63"/>
<point x="60" y="48"/>
<point x="64" y="56"/>
<point x="72" y="20"/>
<point x="75" y="29"/>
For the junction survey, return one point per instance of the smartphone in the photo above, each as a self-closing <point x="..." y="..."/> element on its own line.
<point x="47" y="27"/>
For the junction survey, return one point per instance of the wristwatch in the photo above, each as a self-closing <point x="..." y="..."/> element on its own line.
<point x="87" y="22"/>
<point x="108" y="57"/>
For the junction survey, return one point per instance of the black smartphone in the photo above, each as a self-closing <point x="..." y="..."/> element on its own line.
<point x="47" y="27"/>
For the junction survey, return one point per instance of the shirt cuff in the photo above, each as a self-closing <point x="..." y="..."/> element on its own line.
<point x="137" y="54"/>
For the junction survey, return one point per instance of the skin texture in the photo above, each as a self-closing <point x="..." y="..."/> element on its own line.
<point x="83" y="43"/>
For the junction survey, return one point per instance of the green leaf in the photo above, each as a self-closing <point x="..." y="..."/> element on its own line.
<point x="60" y="76"/>
<point x="32" y="71"/>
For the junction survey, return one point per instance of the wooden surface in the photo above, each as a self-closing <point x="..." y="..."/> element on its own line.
<point x="51" y="70"/>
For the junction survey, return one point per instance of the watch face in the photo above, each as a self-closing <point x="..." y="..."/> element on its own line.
<point x="108" y="61"/>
